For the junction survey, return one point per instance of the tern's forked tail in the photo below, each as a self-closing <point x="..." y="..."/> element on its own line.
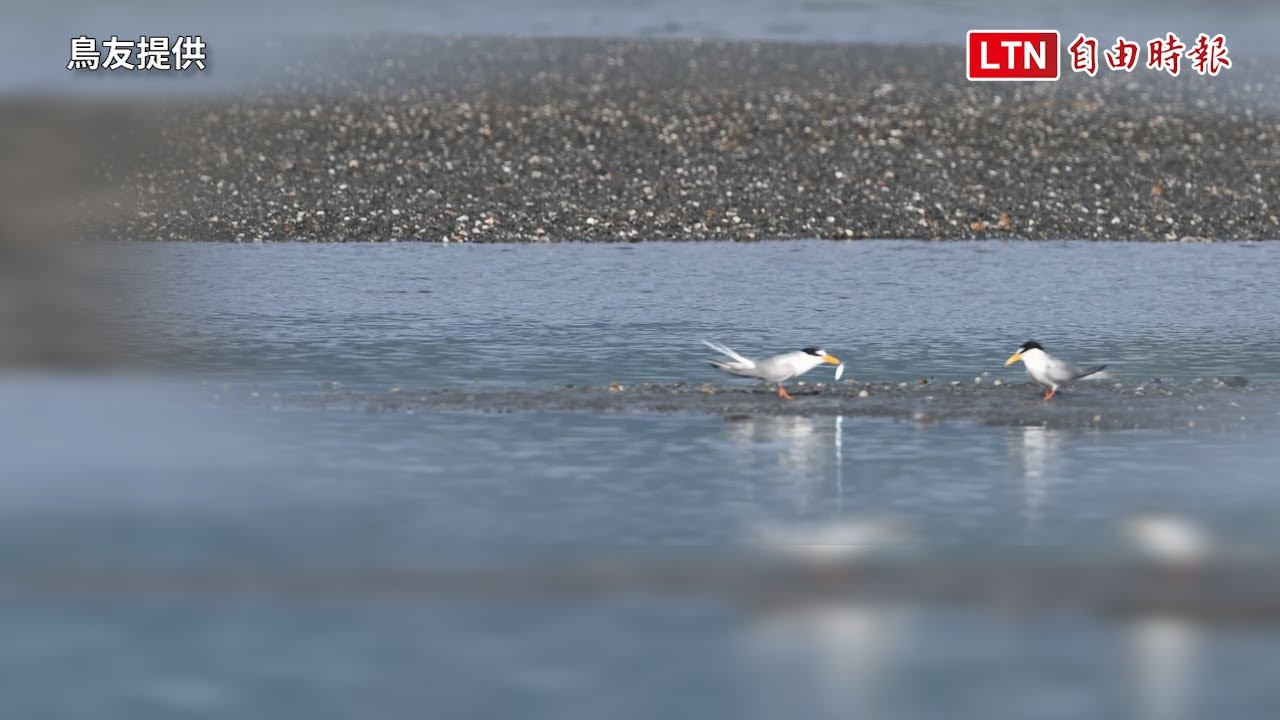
<point x="728" y="352"/>
<point x="737" y="364"/>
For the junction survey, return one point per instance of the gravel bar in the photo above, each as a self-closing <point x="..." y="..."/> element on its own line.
<point x="1229" y="404"/>
<point x="390" y="138"/>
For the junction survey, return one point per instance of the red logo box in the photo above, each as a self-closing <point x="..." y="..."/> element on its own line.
<point x="1013" y="55"/>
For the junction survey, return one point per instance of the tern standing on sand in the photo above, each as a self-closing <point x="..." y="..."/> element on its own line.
<point x="777" y="369"/>
<point x="1054" y="373"/>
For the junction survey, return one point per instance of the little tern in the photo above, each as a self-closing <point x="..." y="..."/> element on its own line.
<point x="1054" y="373"/>
<point x="777" y="369"/>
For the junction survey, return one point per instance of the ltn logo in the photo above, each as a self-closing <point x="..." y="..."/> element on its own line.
<point x="1013" y="55"/>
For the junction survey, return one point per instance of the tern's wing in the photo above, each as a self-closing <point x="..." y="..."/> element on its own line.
<point x="738" y="359"/>
<point x="1063" y="371"/>
<point x="1096" y="370"/>
<point x="785" y="366"/>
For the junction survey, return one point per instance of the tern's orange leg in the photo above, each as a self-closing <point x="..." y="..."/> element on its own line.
<point x="782" y="393"/>
<point x="1052" y="391"/>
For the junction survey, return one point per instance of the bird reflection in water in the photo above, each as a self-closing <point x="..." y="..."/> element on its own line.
<point x="799" y="454"/>
<point x="1034" y="453"/>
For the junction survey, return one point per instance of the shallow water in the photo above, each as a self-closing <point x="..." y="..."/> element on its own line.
<point x="427" y="316"/>
<point x="149" y="475"/>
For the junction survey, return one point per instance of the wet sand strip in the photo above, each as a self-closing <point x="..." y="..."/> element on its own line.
<point x="1220" y="404"/>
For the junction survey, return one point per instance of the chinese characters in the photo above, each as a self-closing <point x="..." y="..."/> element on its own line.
<point x="1208" y="56"/>
<point x="145" y="53"/>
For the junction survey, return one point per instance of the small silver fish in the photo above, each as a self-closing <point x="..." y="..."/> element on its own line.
<point x="839" y="370"/>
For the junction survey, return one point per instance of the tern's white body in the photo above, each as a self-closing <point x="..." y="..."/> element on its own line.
<point x="775" y="369"/>
<point x="1054" y="373"/>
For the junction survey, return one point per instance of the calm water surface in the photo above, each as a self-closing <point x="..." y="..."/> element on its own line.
<point x="148" y="475"/>
<point x="529" y="315"/>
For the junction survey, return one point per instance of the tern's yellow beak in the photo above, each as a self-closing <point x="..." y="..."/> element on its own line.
<point x="1013" y="358"/>
<point x="831" y="359"/>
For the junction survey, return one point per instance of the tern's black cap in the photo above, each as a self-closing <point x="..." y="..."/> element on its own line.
<point x="1031" y="345"/>
<point x="815" y="351"/>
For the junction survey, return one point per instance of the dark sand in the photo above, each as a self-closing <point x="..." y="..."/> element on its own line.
<point x="414" y="138"/>
<point x="1218" y="404"/>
